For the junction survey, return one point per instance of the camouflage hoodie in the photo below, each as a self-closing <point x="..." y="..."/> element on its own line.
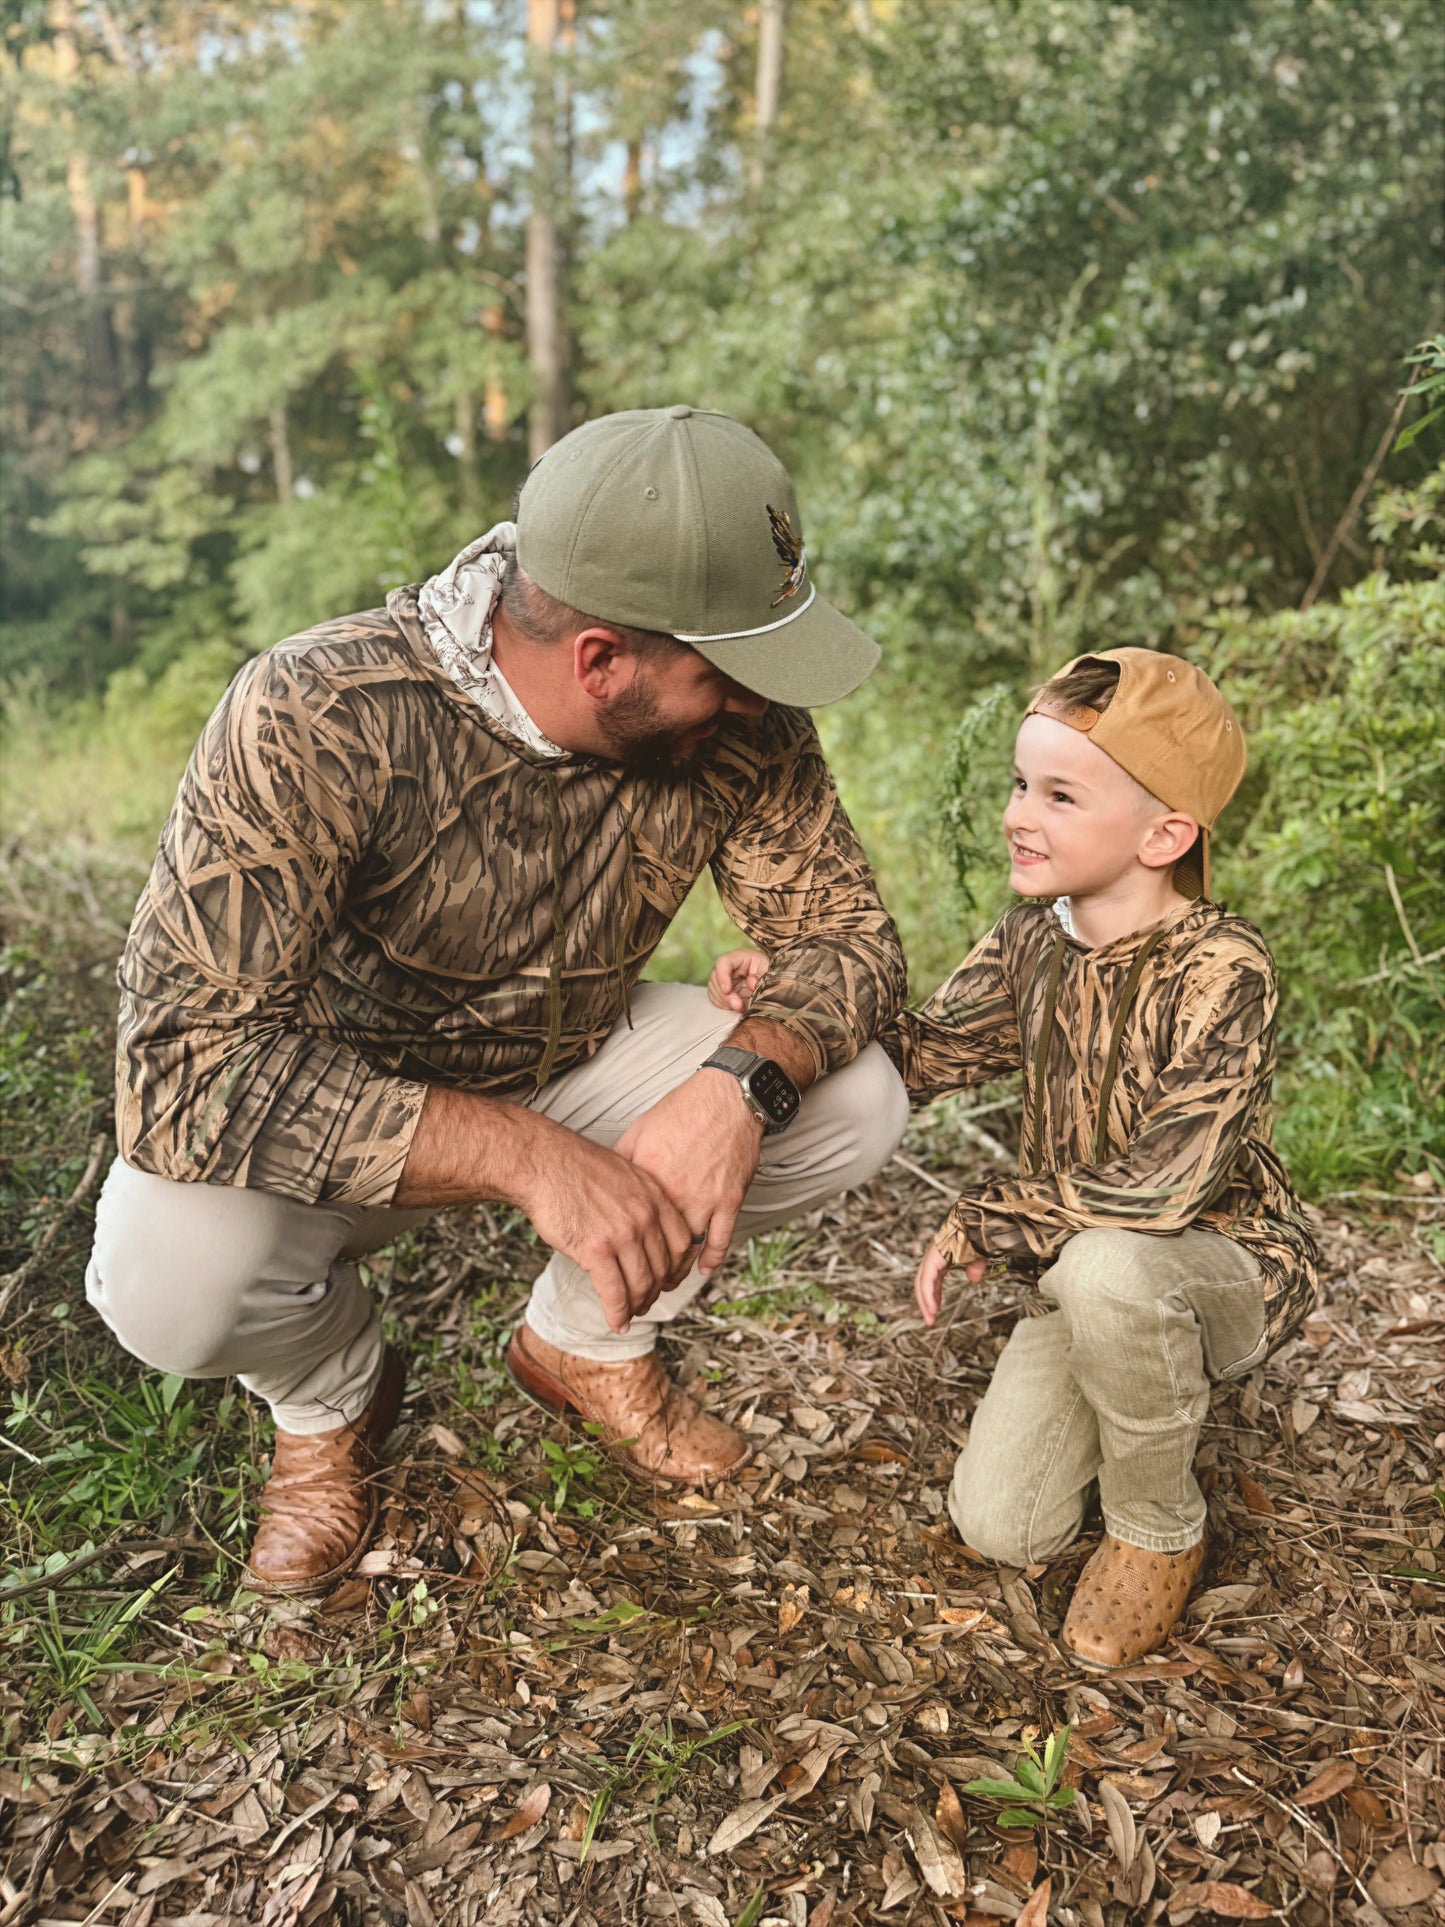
<point x="366" y="887"/>
<point x="1146" y="1082"/>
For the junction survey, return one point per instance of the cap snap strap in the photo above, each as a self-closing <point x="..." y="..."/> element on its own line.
<point x="738" y="635"/>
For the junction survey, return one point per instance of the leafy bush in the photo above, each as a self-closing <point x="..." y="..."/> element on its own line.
<point x="1337" y="847"/>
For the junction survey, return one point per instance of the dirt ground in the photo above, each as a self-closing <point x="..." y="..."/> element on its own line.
<point x="552" y="1696"/>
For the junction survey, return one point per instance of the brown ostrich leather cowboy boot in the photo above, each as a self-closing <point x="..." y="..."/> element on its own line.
<point x="646" y="1421"/>
<point x="1128" y="1601"/>
<point x="320" y="1504"/>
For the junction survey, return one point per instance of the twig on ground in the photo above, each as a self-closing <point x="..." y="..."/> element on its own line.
<point x="13" y="1280"/>
<point x="48" y="1581"/>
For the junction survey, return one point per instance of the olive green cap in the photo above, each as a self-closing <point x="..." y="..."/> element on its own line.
<point x="681" y="520"/>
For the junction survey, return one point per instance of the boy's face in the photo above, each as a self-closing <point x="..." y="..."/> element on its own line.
<point x="1076" y="823"/>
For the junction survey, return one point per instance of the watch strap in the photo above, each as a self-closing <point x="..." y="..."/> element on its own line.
<point x="728" y="1058"/>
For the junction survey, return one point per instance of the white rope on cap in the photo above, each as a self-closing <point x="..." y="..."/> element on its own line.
<point x="740" y="635"/>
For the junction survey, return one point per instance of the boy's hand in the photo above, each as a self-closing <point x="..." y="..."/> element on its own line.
<point x="928" y="1285"/>
<point x="735" y="976"/>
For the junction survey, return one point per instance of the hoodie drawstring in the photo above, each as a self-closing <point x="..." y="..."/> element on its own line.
<point x="1116" y="1040"/>
<point x="1041" y="1049"/>
<point x="559" y="928"/>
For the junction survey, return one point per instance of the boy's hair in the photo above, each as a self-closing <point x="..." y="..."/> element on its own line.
<point x="1086" y="689"/>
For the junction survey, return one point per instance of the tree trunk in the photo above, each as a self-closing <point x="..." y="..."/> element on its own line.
<point x="546" y="356"/>
<point x="99" y="330"/>
<point x="466" y="433"/>
<point x="632" y="181"/>
<point x="768" y="91"/>
<point x="281" y="454"/>
<point x="496" y="402"/>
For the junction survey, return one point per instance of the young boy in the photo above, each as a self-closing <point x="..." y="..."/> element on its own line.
<point x="1167" y="1245"/>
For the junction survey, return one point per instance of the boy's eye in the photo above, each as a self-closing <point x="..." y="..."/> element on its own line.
<point x="1062" y="796"/>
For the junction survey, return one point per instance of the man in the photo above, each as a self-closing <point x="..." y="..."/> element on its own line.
<point x="388" y="960"/>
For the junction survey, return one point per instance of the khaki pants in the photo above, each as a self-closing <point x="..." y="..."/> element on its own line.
<point x="1113" y="1386"/>
<point x="209" y="1280"/>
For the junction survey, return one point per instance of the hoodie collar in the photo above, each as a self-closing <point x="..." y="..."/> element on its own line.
<point x="1188" y="916"/>
<point x="455" y="611"/>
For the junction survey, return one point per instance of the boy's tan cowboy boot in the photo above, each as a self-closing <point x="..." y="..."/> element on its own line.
<point x="652" y="1426"/>
<point x="320" y="1504"/>
<point x="1128" y="1601"/>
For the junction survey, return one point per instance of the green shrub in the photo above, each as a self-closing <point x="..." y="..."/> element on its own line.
<point x="1336" y="848"/>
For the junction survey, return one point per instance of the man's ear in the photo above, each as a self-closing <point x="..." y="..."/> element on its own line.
<point x="1170" y="837"/>
<point x="602" y="663"/>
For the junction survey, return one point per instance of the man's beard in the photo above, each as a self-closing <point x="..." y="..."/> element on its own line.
<point x="636" y="738"/>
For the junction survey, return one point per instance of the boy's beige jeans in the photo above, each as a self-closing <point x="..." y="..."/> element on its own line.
<point x="209" y="1280"/>
<point x="1113" y="1385"/>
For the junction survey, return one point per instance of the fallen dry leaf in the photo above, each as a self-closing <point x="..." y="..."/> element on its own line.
<point x="948" y="1816"/>
<point x="1035" y="1909"/>
<point x="939" y="1861"/>
<point x="1206" y="1829"/>
<point x="1219" y="1897"/>
<point x="1254" y="1495"/>
<point x="1123" y="1835"/>
<point x="1369" y="1806"/>
<point x="743" y="1822"/>
<point x="1332" y="1778"/>
<point x="791" y="1607"/>
<point x="527" y="1814"/>
<point x="1400" y="1881"/>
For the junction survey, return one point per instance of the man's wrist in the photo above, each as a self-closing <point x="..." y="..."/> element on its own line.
<point x="467" y="1148"/>
<point x="772" y="1040"/>
<point x="739" y="1097"/>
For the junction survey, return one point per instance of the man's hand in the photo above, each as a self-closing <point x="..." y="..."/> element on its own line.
<point x="702" y="1144"/>
<point x="610" y="1216"/>
<point x="928" y="1285"/>
<point x="735" y="976"/>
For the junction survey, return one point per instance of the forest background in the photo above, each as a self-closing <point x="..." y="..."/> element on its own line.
<point x="1079" y="325"/>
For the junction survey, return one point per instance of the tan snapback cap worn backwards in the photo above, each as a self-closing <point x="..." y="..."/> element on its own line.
<point x="1172" y="730"/>
<point x="682" y="520"/>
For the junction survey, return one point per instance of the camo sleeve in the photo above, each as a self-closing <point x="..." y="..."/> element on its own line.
<point x="967" y="1032"/>
<point x="792" y="875"/>
<point x="1187" y="1128"/>
<point x="221" y="1080"/>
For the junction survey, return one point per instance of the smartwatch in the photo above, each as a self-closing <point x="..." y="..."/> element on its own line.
<point x="770" y="1093"/>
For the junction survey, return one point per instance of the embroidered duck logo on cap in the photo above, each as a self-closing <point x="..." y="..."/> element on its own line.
<point x="790" y="551"/>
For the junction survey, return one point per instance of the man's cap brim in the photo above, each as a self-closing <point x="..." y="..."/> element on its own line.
<point x="815" y="659"/>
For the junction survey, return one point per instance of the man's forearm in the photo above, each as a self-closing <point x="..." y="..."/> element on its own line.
<point x="768" y="1039"/>
<point x="466" y="1148"/>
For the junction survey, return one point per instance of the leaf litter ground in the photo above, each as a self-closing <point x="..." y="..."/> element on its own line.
<point x="552" y="1695"/>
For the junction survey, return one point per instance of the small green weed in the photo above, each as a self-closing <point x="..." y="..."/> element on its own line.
<point x="1034" y="1793"/>
<point x="580" y="1465"/>
<point x="73" y="1656"/>
<point x="769" y="1290"/>
<point x="656" y="1757"/>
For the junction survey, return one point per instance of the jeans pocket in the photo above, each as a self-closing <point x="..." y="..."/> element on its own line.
<point x="1241" y="1366"/>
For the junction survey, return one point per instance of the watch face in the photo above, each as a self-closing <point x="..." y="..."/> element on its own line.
<point x="775" y="1091"/>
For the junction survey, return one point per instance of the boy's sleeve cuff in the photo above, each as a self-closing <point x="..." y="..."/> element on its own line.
<point x="953" y="1241"/>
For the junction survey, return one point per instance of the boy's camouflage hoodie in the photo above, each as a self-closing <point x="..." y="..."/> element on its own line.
<point x="367" y="887"/>
<point x="1147" y="1066"/>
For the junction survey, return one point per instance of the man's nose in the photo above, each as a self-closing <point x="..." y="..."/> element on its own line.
<point x="744" y="702"/>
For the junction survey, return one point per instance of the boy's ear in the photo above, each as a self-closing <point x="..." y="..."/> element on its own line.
<point x="1170" y="837"/>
